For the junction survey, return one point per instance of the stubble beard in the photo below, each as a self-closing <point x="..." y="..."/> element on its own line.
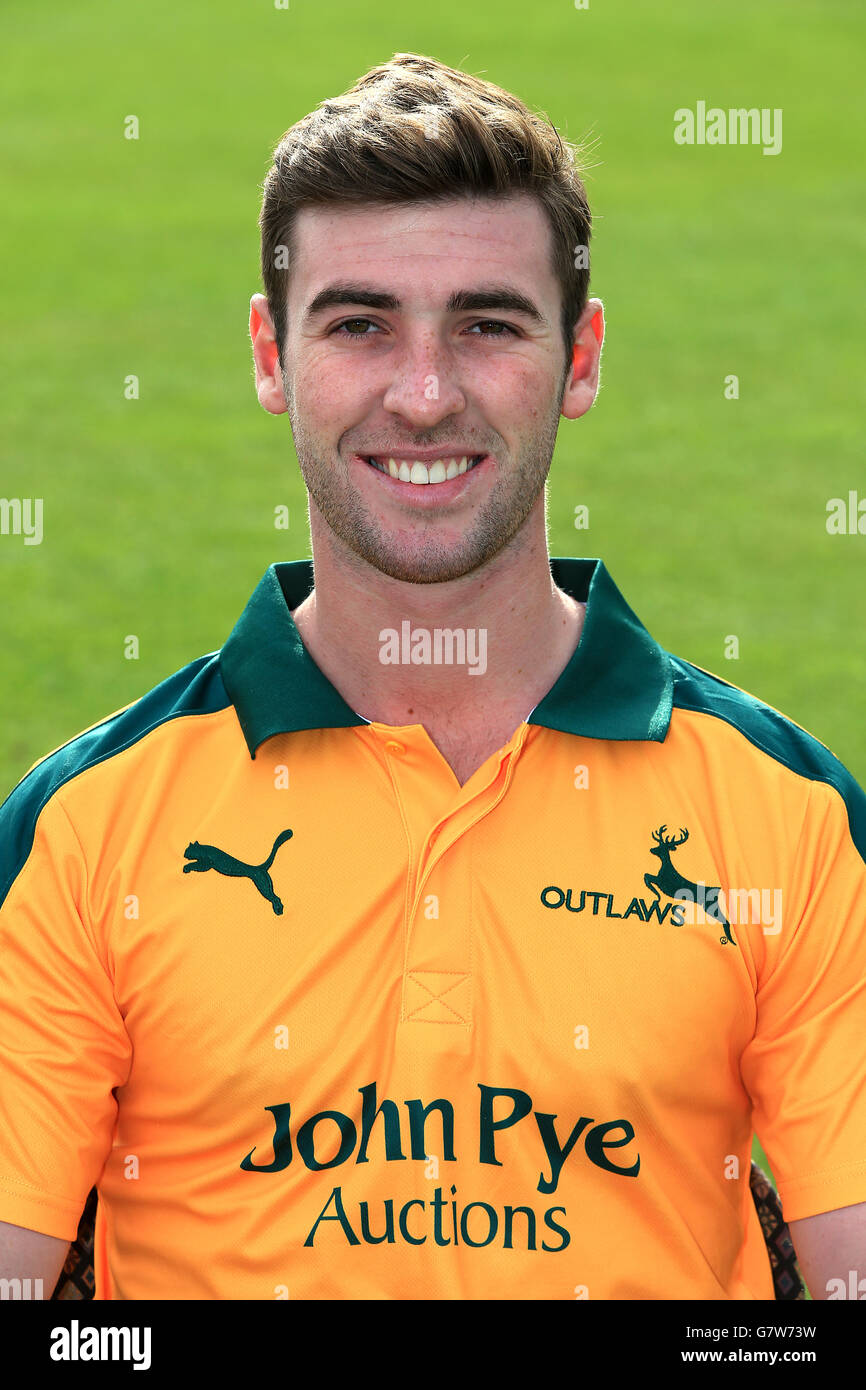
<point x="425" y="560"/>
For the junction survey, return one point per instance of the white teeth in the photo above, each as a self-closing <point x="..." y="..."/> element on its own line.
<point x="413" y="471"/>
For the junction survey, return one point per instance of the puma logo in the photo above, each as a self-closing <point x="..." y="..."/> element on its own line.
<point x="204" y="857"/>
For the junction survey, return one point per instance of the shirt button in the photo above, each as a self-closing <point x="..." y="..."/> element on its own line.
<point x="394" y="747"/>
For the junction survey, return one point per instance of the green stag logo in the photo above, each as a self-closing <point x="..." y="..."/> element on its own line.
<point x="204" y="857"/>
<point x="671" y="882"/>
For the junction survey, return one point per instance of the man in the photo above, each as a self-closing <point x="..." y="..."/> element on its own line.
<point x="442" y="936"/>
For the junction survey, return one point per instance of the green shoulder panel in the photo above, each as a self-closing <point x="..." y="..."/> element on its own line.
<point x="196" y="688"/>
<point x="779" y="737"/>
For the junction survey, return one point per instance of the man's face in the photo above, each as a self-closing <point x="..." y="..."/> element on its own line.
<point x="420" y="333"/>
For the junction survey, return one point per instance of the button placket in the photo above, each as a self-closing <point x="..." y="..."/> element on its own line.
<point x="436" y="987"/>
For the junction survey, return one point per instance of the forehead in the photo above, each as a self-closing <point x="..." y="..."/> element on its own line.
<point x="423" y="247"/>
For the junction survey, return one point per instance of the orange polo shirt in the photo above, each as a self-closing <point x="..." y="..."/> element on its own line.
<point x="320" y="1023"/>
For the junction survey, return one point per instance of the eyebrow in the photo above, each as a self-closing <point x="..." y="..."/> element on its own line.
<point x="483" y="298"/>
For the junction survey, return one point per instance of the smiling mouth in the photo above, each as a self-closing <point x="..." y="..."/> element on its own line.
<point x="413" y="471"/>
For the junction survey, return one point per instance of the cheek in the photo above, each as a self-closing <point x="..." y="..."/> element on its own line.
<point x="517" y="390"/>
<point x="327" y="390"/>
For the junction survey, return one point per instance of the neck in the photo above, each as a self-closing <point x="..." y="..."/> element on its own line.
<point x="519" y="632"/>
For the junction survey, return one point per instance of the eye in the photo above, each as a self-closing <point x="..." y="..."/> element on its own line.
<point x="343" y="328"/>
<point x="487" y="324"/>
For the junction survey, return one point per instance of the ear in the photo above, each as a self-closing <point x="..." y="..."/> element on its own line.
<point x="269" y="381"/>
<point x="581" y="386"/>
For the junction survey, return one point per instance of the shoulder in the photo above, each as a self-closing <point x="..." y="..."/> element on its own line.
<point x="196" y="689"/>
<point x="768" y="732"/>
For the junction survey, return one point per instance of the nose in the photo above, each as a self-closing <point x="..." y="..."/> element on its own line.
<point x="424" y="388"/>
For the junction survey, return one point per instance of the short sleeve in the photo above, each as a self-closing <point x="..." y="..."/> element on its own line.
<point x="805" y="1068"/>
<point x="63" y="1045"/>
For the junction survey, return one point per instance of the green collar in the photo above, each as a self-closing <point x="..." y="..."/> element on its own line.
<point x="617" y="684"/>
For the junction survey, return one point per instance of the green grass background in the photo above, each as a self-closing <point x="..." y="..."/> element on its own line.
<point x="140" y="257"/>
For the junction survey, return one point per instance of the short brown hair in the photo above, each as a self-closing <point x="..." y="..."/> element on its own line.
<point x="414" y="130"/>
